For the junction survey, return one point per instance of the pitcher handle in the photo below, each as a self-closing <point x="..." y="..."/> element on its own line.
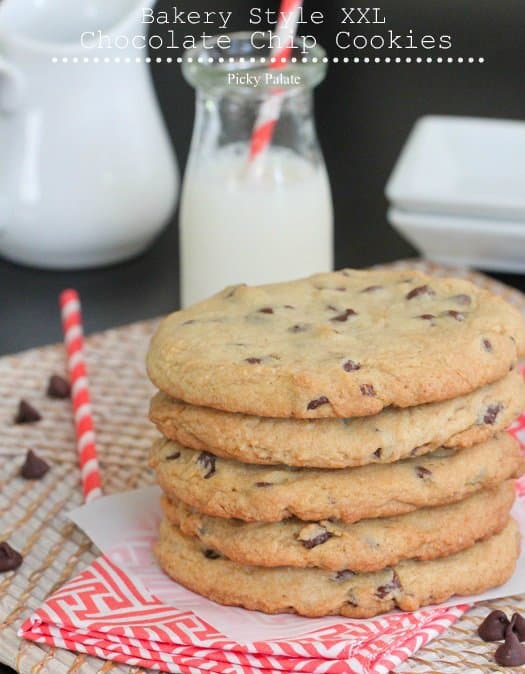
<point x="11" y="87"/>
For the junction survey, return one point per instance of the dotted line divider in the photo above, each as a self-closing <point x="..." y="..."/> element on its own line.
<point x="262" y="59"/>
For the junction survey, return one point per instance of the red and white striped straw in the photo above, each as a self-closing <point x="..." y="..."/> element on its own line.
<point x="85" y="431"/>
<point x="270" y="109"/>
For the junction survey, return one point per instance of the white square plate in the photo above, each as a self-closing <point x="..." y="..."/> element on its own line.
<point x="497" y="245"/>
<point x="462" y="165"/>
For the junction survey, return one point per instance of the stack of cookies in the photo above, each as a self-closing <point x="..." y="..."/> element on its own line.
<point x="337" y="445"/>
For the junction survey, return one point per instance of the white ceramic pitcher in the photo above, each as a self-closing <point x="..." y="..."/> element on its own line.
<point x="87" y="172"/>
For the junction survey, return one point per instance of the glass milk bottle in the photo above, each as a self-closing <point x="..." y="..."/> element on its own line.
<point x="258" y="221"/>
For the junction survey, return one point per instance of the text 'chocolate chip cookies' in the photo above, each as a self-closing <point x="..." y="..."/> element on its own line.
<point x="337" y="444"/>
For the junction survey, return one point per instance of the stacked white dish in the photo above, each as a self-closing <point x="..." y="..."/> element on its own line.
<point x="457" y="191"/>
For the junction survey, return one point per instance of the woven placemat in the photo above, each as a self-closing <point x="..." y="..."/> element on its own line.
<point x="33" y="514"/>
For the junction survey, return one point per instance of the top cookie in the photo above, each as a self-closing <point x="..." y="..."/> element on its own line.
<point x="342" y="344"/>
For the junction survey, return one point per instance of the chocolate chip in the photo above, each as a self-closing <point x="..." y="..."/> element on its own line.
<point x="9" y="559"/>
<point x="253" y="361"/>
<point x="491" y="413"/>
<point x="518" y="626"/>
<point x="494" y="626"/>
<point x="341" y="576"/>
<point x="58" y="387"/>
<point x="371" y="289"/>
<point x="266" y="310"/>
<point x="317" y="535"/>
<point x="456" y="315"/>
<point x="314" y="404"/>
<point x="511" y="653"/>
<point x="190" y="322"/>
<point x="207" y="461"/>
<point x="351" y="366"/>
<point x="33" y="468"/>
<point x="341" y="318"/>
<point x="26" y="414"/>
<point x="423" y="472"/>
<point x="378" y="452"/>
<point x="211" y="554"/>
<point x="289" y="306"/>
<point x="367" y="390"/>
<point x="262" y="485"/>
<point x="172" y="457"/>
<point x="487" y="345"/>
<point x="299" y="327"/>
<point x="389" y="588"/>
<point x="420" y="290"/>
<point x="426" y="317"/>
<point x="464" y="300"/>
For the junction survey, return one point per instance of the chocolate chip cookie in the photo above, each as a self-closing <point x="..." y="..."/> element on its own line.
<point x="368" y="545"/>
<point x="391" y="435"/>
<point x="317" y="592"/>
<point x="343" y="344"/>
<point x="227" y="488"/>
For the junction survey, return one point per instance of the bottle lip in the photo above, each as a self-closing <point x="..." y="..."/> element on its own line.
<point x="223" y="74"/>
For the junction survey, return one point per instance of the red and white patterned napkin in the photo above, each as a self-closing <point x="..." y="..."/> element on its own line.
<point x="122" y="608"/>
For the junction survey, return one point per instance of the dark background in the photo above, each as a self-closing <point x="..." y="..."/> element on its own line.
<point x="364" y="113"/>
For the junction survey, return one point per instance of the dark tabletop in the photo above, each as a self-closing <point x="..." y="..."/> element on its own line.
<point x="364" y="113"/>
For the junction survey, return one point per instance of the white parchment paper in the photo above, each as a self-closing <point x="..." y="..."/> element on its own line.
<point x="125" y="526"/>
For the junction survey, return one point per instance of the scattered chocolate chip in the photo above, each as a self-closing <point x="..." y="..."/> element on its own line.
<point x="487" y="345"/>
<point x="58" y="387"/>
<point x="378" y="452"/>
<point x="262" y="485"/>
<point x="172" y="457"/>
<point x="26" y="414"/>
<point x="423" y="472"/>
<point x="253" y="361"/>
<point x="343" y="575"/>
<point x="266" y="310"/>
<point x="389" y="588"/>
<point x="314" y="404"/>
<point x="367" y="390"/>
<point x="207" y="461"/>
<point x="33" y="467"/>
<point x="191" y="321"/>
<point x="491" y="413"/>
<point x="315" y="535"/>
<point x="341" y="318"/>
<point x="211" y="554"/>
<point x="426" y="317"/>
<point x="518" y="626"/>
<point x="371" y="289"/>
<point x="351" y="366"/>
<point x="299" y="327"/>
<point x="420" y="290"/>
<point x="494" y="626"/>
<point x="289" y="306"/>
<point x="456" y="315"/>
<point x="464" y="300"/>
<point x="9" y="559"/>
<point x="511" y="653"/>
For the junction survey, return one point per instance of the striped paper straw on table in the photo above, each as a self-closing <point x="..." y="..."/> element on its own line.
<point x="85" y="431"/>
<point x="271" y="107"/>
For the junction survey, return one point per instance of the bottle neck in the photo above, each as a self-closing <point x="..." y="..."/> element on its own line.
<point x="227" y="119"/>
